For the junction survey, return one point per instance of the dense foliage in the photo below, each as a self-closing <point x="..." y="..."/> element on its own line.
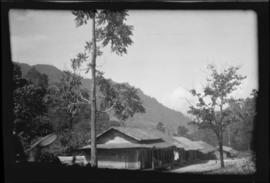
<point x="30" y="108"/>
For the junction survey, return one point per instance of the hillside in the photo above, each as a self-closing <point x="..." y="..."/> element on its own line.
<point x="155" y="111"/>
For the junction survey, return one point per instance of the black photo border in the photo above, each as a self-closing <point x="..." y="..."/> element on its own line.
<point x="39" y="173"/>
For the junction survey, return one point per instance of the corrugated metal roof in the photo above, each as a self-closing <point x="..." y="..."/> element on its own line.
<point x="142" y="136"/>
<point x="187" y="144"/>
<point x="130" y="145"/>
<point x="136" y="133"/>
<point x="205" y="147"/>
<point x="227" y="149"/>
<point x="167" y="138"/>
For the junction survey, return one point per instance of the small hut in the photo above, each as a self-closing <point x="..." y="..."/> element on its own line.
<point x="228" y="152"/>
<point x="188" y="150"/>
<point x="206" y="150"/>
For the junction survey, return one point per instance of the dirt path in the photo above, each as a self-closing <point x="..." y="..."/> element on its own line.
<point x="208" y="166"/>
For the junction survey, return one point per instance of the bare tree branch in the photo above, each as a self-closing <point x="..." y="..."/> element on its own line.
<point x="77" y="103"/>
<point x="188" y="101"/>
<point x="107" y="110"/>
<point x="83" y="98"/>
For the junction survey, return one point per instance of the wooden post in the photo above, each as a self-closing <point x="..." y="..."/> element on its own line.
<point x="153" y="159"/>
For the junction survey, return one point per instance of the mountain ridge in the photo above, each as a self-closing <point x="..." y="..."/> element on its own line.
<point x="155" y="111"/>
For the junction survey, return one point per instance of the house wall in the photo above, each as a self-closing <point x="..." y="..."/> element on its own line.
<point x="182" y="155"/>
<point x="163" y="158"/>
<point x="206" y="156"/>
<point x="190" y="155"/>
<point x="217" y="154"/>
<point x="187" y="155"/>
<point x="145" y="158"/>
<point x="133" y="158"/>
<point x="117" y="158"/>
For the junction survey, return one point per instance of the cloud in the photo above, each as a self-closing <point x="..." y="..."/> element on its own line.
<point x="179" y="99"/>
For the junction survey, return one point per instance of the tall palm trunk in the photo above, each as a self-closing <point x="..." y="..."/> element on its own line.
<point x="93" y="99"/>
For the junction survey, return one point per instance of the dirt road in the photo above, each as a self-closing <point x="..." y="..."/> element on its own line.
<point x="210" y="166"/>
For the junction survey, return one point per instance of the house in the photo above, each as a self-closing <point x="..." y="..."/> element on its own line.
<point x="132" y="148"/>
<point x="189" y="152"/>
<point x="228" y="152"/>
<point x="206" y="150"/>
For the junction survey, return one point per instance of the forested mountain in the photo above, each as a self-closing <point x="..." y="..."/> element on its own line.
<point x="155" y="111"/>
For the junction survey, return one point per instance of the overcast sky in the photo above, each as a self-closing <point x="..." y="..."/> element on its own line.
<point x="170" y="52"/>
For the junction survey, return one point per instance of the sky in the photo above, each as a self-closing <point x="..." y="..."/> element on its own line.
<point x="169" y="56"/>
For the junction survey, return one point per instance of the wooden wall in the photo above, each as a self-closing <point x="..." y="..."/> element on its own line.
<point x="217" y="154"/>
<point x="118" y="158"/>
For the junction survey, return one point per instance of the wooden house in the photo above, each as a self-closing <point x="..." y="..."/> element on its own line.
<point x="132" y="148"/>
<point x="206" y="150"/>
<point x="228" y="152"/>
<point x="188" y="150"/>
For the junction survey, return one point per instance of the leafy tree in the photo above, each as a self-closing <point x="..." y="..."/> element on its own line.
<point x="65" y="100"/>
<point x="210" y="111"/>
<point x="63" y="96"/>
<point x="122" y="99"/>
<point x="161" y="127"/>
<point x="17" y="77"/>
<point x="244" y="111"/>
<point x="206" y="135"/>
<point x="108" y="27"/>
<point x="29" y="109"/>
<point x="182" y="131"/>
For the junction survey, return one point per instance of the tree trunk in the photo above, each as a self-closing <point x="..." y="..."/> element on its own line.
<point x="93" y="99"/>
<point x="229" y="136"/>
<point x="221" y="152"/>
